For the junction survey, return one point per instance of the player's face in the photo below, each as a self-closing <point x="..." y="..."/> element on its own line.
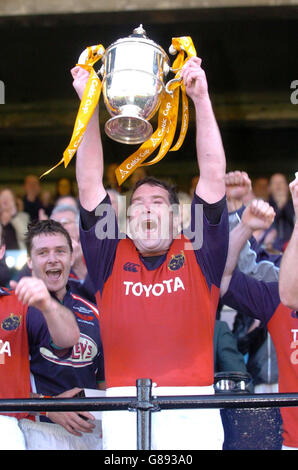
<point x="151" y="221"/>
<point x="51" y="260"/>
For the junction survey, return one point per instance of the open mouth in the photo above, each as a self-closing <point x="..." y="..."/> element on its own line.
<point x="149" y="225"/>
<point x="54" y="274"/>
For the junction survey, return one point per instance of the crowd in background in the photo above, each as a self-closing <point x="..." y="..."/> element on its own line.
<point x="17" y="209"/>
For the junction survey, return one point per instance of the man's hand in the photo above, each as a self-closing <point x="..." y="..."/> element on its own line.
<point x="194" y="79"/>
<point x="238" y="185"/>
<point x="259" y="215"/>
<point x="32" y="291"/>
<point x="80" y="78"/>
<point x="294" y="192"/>
<point x="61" y="322"/>
<point x="74" y="422"/>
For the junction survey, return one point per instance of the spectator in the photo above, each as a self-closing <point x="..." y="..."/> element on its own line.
<point x="30" y="293"/>
<point x="68" y="216"/>
<point x="260" y="188"/>
<point x="14" y="223"/>
<point x="67" y="201"/>
<point x="64" y="187"/>
<point x="124" y="270"/>
<point x="279" y="199"/>
<point x="31" y="199"/>
<point x="46" y="198"/>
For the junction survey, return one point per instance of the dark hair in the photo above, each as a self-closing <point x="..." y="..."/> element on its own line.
<point x="49" y="227"/>
<point x="152" y="181"/>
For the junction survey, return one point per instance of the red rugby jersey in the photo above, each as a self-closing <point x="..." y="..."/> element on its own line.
<point x="158" y="324"/>
<point x="283" y="328"/>
<point x="14" y="351"/>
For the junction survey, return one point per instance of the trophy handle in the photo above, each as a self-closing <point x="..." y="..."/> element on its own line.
<point x="174" y="80"/>
<point x="84" y="57"/>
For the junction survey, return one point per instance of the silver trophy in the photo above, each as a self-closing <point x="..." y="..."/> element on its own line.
<point x="133" y="73"/>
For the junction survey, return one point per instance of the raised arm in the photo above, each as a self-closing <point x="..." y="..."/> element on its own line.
<point x="258" y="215"/>
<point x="61" y="322"/>
<point x="288" y="275"/>
<point x="210" y="151"/>
<point x="89" y="159"/>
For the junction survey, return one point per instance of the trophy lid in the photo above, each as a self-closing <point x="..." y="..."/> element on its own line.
<point x="139" y="32"/>
<point x="138" y="35"/>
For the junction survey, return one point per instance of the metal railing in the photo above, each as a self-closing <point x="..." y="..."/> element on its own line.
<point x="144" y="404"/>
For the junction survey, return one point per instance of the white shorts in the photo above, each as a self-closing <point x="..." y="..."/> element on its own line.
<point x="181" y="429"/>
<point x="50" y="436"/>
<point x="11" y="436"/>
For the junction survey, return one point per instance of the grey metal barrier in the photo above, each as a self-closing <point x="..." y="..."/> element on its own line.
<point x="144" y="404"/>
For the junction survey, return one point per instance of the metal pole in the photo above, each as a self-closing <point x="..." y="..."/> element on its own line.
<point x="144" y="414"/>
<point x="219" y="400"/>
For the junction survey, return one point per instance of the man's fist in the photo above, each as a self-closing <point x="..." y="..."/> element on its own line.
<point x="194" y="79"/>
<point x="32" y="291"/>
<point x="238" y="185"/>
<point x="259" y="215"/>
<point x="80" y="78"/>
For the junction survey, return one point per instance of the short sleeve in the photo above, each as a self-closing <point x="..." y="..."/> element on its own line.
<point x="210" y="240"/>
<point x="258" y="299"/>
<point x="99" y="239"/>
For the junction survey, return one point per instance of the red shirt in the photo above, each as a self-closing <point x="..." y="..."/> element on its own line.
<point x="14" y="351"/>
<point x="283" y="328"/>
<point x="158" y="323"/>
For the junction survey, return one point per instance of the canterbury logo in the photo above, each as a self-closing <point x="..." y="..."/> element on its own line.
<point x="131" y="267"/>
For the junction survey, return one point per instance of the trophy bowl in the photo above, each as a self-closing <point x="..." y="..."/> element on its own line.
<point x="133" y="74"/>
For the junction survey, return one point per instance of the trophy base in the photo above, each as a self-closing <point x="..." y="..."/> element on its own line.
<point x="128" y="129"/>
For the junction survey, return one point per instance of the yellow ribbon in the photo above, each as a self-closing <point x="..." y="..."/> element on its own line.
<point x="167" y="118"/>
<point x="88" y="104"/>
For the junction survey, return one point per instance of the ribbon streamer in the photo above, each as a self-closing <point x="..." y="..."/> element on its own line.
<point x="88" y="103"/>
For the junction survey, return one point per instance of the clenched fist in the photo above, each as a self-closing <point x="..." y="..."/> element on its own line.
<point x="80" y="78"/>
<point x="238" y="185"/>
<point x="32" y="291"/>
<point x="259" y="215"/>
